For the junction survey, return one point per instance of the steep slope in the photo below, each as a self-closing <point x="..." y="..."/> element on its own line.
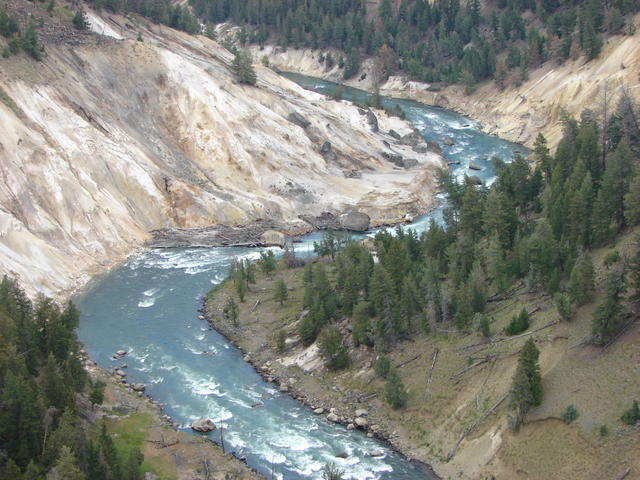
<point x="109" y="138"/>
<point x="517" y="113"/>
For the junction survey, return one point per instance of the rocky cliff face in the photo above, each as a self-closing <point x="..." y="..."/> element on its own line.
<point x="109" y="138"/>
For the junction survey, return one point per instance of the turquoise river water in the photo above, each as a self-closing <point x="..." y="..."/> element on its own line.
<point x="148" y="307"/>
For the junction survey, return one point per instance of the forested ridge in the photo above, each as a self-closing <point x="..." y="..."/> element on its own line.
<point x="442" y="41"/>
<point x="42" y="379"/>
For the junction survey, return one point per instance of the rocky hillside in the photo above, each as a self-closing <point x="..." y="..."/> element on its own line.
<point x="110" y="137"/>
<point x="517" y="113"/>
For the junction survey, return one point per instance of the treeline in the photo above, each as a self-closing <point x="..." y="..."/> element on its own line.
<point x="158" y="11"/>
<point x="41" y="376"/>
<point x="442" y="41"/>
<point x="536" y="224"/>
<point x="17" y="39"/>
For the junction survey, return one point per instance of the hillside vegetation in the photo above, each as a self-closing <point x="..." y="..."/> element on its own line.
<point x="507" y="337"/>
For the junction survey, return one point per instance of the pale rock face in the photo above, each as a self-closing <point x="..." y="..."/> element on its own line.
<point x="102" y="143"/>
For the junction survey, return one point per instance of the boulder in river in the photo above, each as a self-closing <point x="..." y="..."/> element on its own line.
<point x="342" y="455"/>
<point x="138" y="387"/>
<point x="203" y="425"/>
<point x="474" y="166"/>
<point x="354" y="221"/>
<point x="475" y="180"/>
<point x="273" y="238"/>
<point x="121" y="353"/>
<point x="295" y="117"/>
<point x="332" y="417"/>
<point x="319" y="411"/>
<point x="376" y="453"/>
<point x="448" y="141"/>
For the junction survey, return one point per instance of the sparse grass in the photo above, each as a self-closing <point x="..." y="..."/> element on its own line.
<point x="8" y="101"/>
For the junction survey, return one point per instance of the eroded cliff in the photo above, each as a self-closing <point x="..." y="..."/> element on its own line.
<point x="109" y="138"/>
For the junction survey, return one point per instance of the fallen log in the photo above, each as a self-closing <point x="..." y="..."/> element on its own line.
<point x="433" y="365"/>
<point x="256" y="305"/>
<point x="623" y="475"/>
<point x="479" y="362"/>
<point x="402" y="364"/>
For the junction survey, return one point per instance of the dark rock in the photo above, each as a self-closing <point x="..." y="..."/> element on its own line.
<point x="342" y="455"/>
<point x="354" y="221"/>
<point x="326" y="147"/>
<point x="473" y="166"/>
<point x="395" y="158"/>
<point x="395" y="134"/>
<point x="448" y="141"/>
<point x="475" y="180"/>
<point x="409" y="163"/>
<point x="411" y="139"/>
<point x="376" y="453"/>
<point x="453" y="163"/>
<point x="420" y="148"/>
<point x="372" y="120"/>
<point x="353" y="174"/>
<point x="433" y="146"/>
<point x="385" y="143"/>
<point x="295" y="117"/>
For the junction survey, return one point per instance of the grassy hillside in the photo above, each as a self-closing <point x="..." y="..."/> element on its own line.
<point x="471" y="374"/>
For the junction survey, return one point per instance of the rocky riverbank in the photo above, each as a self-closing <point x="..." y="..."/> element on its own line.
<point x="313" y="388"/>
<point x="169" y="452"/>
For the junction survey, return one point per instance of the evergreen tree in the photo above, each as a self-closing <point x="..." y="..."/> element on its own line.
<point x="66" y="468"/>
<point x="394" y="390"/>
<point x="582" y="281"/>
<point x="281" y="294"/>
<point x="332" y="349"/>
<point x="231" y="311"/>
<point x="563" y="305"/>
<point x="30" y="43"/>
<point x="79" y="20"/>
<point x="526" y="388"/>
<point x="607" y="318"/>
<point x="242" y="68"/>
<point x="634" y="271"/>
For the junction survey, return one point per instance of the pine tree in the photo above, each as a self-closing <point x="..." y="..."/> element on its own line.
<point x="65" y="467"/>
<point x="281" y="294"/>
<point x="634" y="271"/>
<point x="582" y="280"/>
<point x="394" y="390"/>
<point x="526" y="388"/>
<point x="79" y="20"/>
<point x="332" y="349"/>
<point x="563" y="305"/>
<point x="242" y="68"/>
<point x="30" y="43"/>
<point x="607" y="318"/>
<point x="231" y="311"/>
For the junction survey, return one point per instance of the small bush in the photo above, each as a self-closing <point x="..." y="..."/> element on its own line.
<point x="382" y="366"/>
<point x="519" y="323"/>
<point x="281" y="338"/>
<point x="631" y="416"/>
<point x="603" y="431"/>
<point x="611" y="258"/>
<point x="570" y="414"/>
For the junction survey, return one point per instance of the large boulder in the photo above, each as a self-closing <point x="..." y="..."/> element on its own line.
<point x="138" y="387"/>
<point x="332" y="417"/>
<point x="273" y="238"/>
<point x="474" y="166"/>
<point x="475" y="180"/>
<point x="433" y="146"/>
<point x="203" y="425"/>
<point x="448" y="141"/>
<point x="295" y="117"/>
<point x="354" y="221"/>
<point x="361" y="422"/>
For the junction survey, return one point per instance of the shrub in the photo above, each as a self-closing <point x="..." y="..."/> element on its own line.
<point x="519" y="323"/>
<point x="631" y="416"/>
<point x="570" y="414"/>
<point x="382" y="366"/>
<point x="603" y="431"/>
<point x="281" y="338"/>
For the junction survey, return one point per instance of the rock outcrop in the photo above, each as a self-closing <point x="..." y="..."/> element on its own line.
<point x="203" y="425"/>
<point x="354" y="221"/>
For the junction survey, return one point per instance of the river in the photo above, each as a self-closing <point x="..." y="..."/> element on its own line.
<point x="149" y="308"/>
